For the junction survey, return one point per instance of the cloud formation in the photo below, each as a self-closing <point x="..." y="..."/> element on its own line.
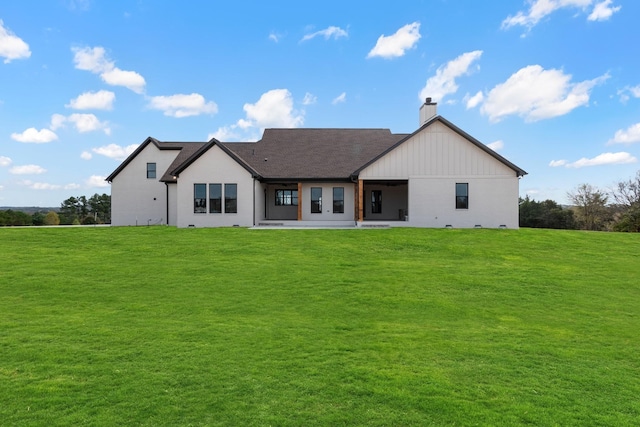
<point x="536" y="94"/>
<point x="340" y="98"/>
<point x="114" y="151"/>
<point x="397" y="44"/>
<point x="629" y="135"/>
<point x="496" y="145"/>
<point x="100" y="100"/>
<point x="96" y="181"/>
<point x="181" y="105"/>
<point x="32" y="135"/>
<point x="327" y="33"/>
<point x="273" y="109"/>
<point x="5" y="161"/>
<point x="540" y="9"/>
<point x="82" y="122"/>
<point x="11" y="46"/>
<point x="600" y="160"/>
<point x="96" y="61"/>
<point x="444" y="81"/>
<point x="27" y="170"/>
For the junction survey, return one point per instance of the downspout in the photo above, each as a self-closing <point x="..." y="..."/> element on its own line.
<point x="166" y="186"/>
<point x="254" y="202"/>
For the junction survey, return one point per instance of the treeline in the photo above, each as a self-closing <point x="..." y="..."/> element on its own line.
<point x="617" y="209"/>
<point x="73" y="211"/>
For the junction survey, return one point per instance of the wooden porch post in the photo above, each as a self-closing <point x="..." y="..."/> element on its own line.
<point x="299" y="201"/>
<point x="360" y="200"/>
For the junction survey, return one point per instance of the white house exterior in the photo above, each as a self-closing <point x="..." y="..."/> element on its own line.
<point x="438" y="176"/>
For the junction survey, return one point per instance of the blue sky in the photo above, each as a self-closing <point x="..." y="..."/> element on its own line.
<point x="553" y="85"/>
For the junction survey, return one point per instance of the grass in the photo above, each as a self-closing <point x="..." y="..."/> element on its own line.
<point x="162" y="326"/>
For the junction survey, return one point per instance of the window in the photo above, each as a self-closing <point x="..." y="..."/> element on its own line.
<point x="151" y="170"/>
<point x="338" y="199"/>
<point x="286" y="197"/>
<point x="230" y="198"/>
<point x="199" y="198"/>
<point x="215" y="198"/>
<point x="376" y="201"/>
<point x="462" y="196"/>
<point x="316" y="200"/>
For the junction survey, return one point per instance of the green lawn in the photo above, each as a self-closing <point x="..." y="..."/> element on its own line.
<point x="382" y="327"/>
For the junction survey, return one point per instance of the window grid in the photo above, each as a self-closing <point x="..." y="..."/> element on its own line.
<point x="151" y="170"/>
<point x="462" y="196"/>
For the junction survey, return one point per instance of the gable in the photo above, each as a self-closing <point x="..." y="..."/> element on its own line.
<point x="439" y="149"/>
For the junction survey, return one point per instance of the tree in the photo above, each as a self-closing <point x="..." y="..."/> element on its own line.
<point x="627" y="197"/>
<point x="100" y="206"/>
<point x="590" y="207"/>
<point x="37" y="218"/>
<point x="51" y="218"/>
<point x="546" y="214"/>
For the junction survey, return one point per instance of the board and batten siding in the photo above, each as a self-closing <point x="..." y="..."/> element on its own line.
<point x="215" y="167"/>
<point x="136" y="199"/>
<point x="433" y="161"/>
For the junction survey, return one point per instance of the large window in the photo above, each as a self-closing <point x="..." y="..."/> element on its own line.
<point x="215" y="198"/>
<point x="151" y="170"/>
<point x="316" y="200"/>
<point x="286" y="197"/>
<point x="230" y="198"/>
<point x="199" y="198"/>
<point x="376" y="201"/>
<point x="338" y="199"/>
<point x="462" y="196"/>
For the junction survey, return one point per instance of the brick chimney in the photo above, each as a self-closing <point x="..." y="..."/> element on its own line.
<point x="428" y="111"/>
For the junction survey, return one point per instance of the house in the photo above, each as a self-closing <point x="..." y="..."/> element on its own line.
<point x="437" y="176"/>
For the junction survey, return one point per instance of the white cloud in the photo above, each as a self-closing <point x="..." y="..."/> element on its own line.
<point x="183" y="105"/>
<point x="603" y="11"/>
<point x="27" y="170"/>
<point x="475" y="100"/>
<point x="11" y="46"/>
<point x="101" y="100"/>
<point x="32" y="135"/>
<point x="129" y="79"/>
<point x="540" y="9"/>
<point x="397" y="44"/>
<point x="274" y="109"/>
<point x="327" y="33"/>
<point x="82" y="122"/>
<point x="557" y="163"/>
<point x="40" y="185"/>
<point x="496" y="145"/>
<point x="85" y="155"/>
<point x="91" y="59"/>
<point x="71" y="186"/>
<point x="96" y="181"/>
<point x="340" y="98"/>
<point x="444" y="82"/>
<point x="5" y="161"/>
<point x="274" y="37"/>
<point x="536" y="94"/>
<point x="629" y="91"/>
<point x="115" y="152"/>
<point x="628" y="136"/>
<point x="309" y="99"/>
<point x="620" y="158"/>
<point x="95" y="60"/>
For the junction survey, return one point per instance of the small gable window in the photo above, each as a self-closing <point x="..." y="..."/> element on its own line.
<point x="462" y="196"/>
<point x="151" y="170"/>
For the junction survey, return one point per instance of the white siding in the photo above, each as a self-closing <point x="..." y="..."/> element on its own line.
<point x="215" y="166"/>
<point x="327" y="202"/>
<point x="136" y="200"/>
<point x="433" y="161"/>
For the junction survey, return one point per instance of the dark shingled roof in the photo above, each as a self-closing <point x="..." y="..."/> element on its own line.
<point x="303" y="154"/>
<point x="313" y="153"/>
